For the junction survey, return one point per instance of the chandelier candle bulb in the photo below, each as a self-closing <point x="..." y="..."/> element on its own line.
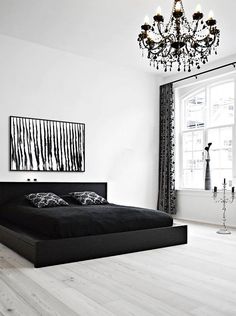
<point x="158" y="17"/>
<point x="211" y="21"/>
<point x="211" y="15"/>
<point x="198" y="8"/>
<point x="178" y="13"/>
<point x="146" y="26"/>
<point x="158" y="11"/>
<point x="146" y="20"/>
<point x="178" y="7"/>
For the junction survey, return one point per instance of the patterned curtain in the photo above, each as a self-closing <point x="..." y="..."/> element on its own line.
<point x="167" y="194"/>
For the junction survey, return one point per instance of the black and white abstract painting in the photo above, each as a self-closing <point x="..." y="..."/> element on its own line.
<point x="46" y="145"/>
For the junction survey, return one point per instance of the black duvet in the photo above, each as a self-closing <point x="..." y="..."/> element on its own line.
<point x="76" y="220"/>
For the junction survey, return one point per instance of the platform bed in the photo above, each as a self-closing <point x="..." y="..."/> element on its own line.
<point x="42" y="251"/>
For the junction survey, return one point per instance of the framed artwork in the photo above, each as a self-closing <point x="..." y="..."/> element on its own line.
<point x="46" y="145"/>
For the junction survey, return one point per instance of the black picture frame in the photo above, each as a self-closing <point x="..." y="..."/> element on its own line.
<point x="45" y="145"/>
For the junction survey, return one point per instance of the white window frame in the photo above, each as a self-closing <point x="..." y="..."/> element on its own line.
<point x="180" y="102"/>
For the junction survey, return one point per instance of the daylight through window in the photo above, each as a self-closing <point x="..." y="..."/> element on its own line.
<point x="206" y="116"/>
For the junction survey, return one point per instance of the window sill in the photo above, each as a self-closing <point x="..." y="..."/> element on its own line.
<point x="196" y="192"/>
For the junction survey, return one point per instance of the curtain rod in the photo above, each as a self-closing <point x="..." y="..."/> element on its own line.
<point x="203" y="72"/>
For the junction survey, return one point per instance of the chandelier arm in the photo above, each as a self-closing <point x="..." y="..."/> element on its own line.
<point x="167" y="53"/>
<point x="186" y="47"/>
<point x="163" y="55"/>
<point x="169" y="38"/>
<point x="196" y="28"/>
<point x="145" y="45"/>
<point x="202" y="49"/>
<point x="159" y="53"/>
<point x="210" y="44"/>
<point x="165" y="40"/>
<point x="161" y="49"/>
<point x="208" y="35"/>
<point x="163" y="36"/>
<point x="199" y="41"/>
<point x="159" y="30"/>
<point x="156" y="51"/>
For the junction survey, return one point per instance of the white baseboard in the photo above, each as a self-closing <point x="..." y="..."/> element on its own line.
<point x="201" y="222"/>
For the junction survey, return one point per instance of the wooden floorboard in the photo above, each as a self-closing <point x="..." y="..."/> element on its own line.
<point x="197" y="279"/>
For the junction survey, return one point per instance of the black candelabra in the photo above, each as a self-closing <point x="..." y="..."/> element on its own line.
<point x="224" y="200"/>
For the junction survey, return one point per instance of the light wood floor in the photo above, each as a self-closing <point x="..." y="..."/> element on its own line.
<point x="195" y="279"/>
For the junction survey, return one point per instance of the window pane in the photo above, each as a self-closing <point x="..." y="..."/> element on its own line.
<point x="214" y="138"/>
<point x="197" y="160"/>
<point x="221" y="150"/>
<point x="187" y="141"/>
<point x="193" y="159"/>
<point x="215" y="158"/>
<point x="193" y="179"/>
<point x="194" y="112"/>
<point x="219" y="175"/>
<point x="226" y="137"/>
<point x="187" y="181"/>
<point x="192" y="150"/>
<point x="226" y="158"/>
<point x="197" y="179"/>
<point x="187" y="160"/>
<point x="222" y="104"/>
<point x="193" y="141"/>
<point x="198" y="140"/>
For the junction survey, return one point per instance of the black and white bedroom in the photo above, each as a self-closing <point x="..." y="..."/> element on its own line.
<point x="117" y="164"/>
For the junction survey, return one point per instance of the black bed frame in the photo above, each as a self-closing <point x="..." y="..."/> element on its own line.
<point x="44" y="252"/>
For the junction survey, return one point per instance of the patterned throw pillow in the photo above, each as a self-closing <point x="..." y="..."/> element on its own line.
<point x="49" y="199"/>
<point x="88" y="198"/>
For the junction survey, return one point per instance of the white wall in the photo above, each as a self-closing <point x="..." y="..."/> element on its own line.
<point x="119" y="107"/>
<point x="199" y="206"/>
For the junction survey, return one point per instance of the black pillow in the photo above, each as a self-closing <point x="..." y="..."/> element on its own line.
<point x="88" y="198"/>
<point x="48" y="199"/>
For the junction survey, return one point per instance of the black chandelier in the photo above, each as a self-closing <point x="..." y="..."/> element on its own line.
<point x="178" y="41"/>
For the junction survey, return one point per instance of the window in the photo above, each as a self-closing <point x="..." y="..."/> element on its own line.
<point x="206" y="116"/>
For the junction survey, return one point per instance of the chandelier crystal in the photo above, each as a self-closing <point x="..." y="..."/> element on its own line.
<point x="179" y="42"/>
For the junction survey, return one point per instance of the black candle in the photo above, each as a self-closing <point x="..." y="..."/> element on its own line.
<point x="224" y="181"/>
<point x="232" y="189"/>
<point x="215" y="189"/>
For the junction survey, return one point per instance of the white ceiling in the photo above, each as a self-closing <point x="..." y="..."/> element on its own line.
<point x="103" y="29"/>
